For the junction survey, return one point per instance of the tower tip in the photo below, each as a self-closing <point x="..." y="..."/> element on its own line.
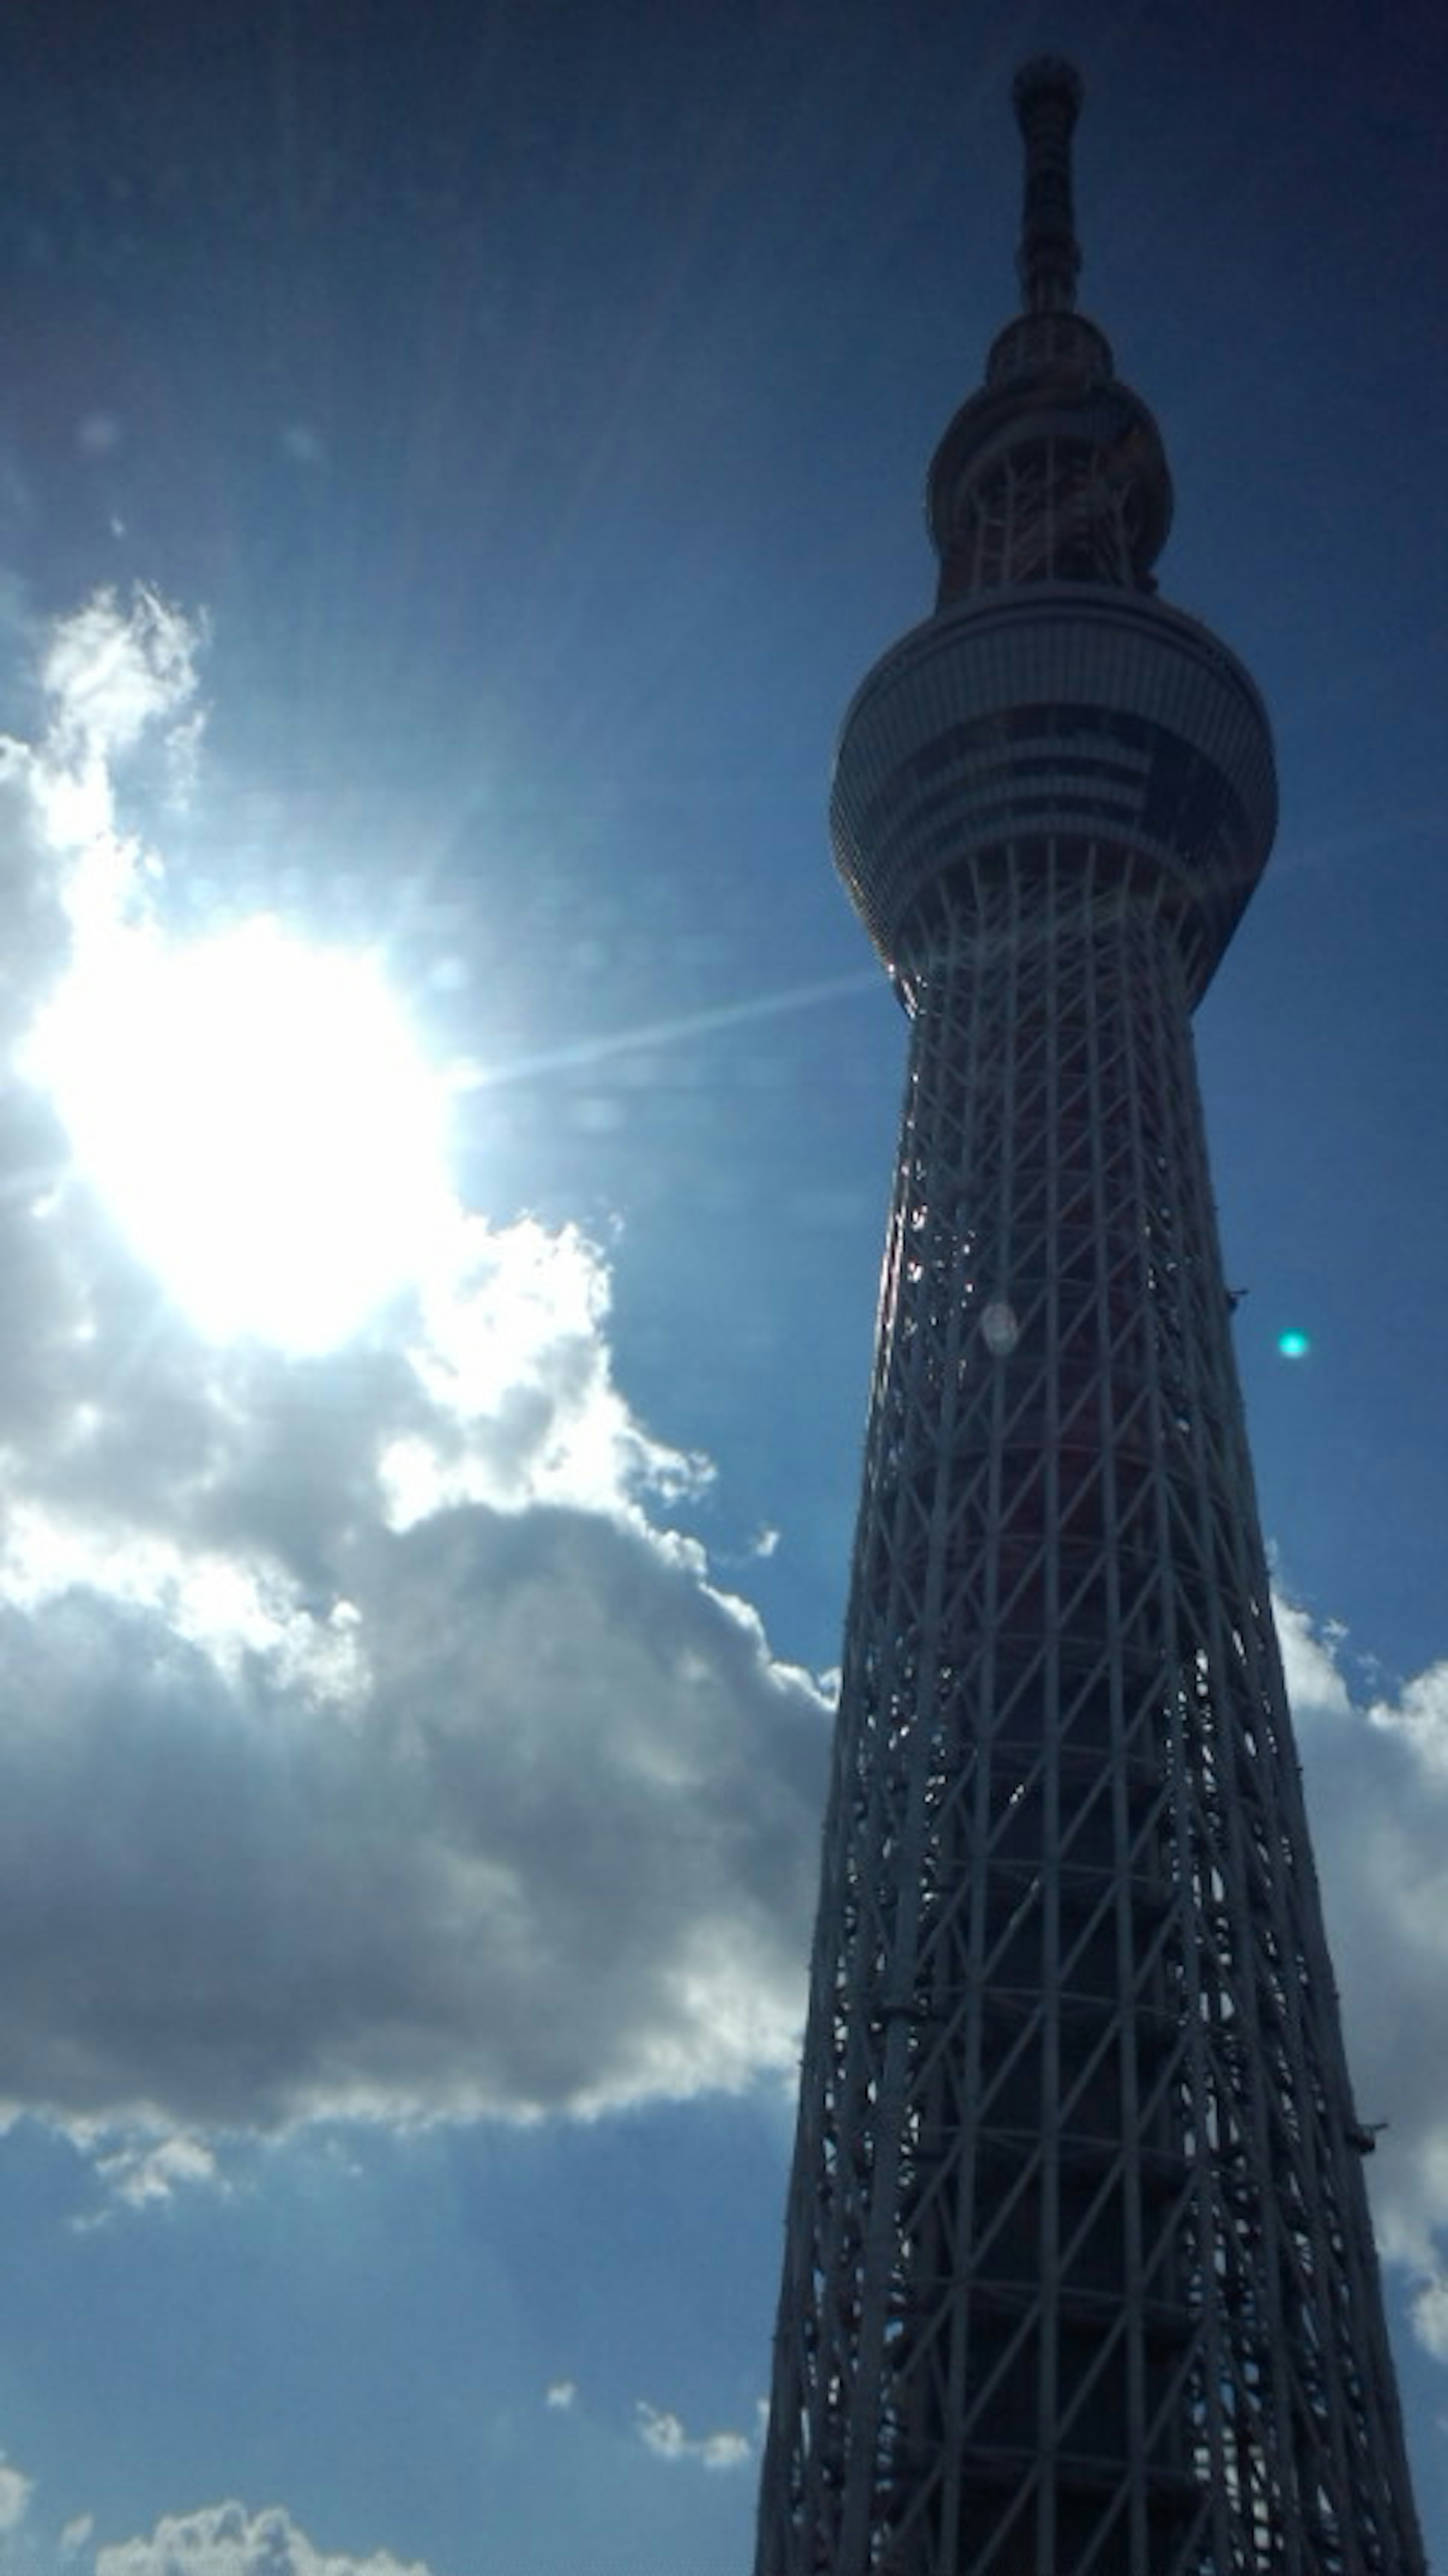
<point x="1047" y="94"/>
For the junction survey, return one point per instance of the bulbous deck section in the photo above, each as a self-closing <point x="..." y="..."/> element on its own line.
<point x="1062" y="709"/>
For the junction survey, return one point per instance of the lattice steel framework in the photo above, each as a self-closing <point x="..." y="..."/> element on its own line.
<point x="1079" y="2276"/>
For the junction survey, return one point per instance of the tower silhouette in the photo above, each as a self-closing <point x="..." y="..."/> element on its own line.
<point x="1079" y="2276"/>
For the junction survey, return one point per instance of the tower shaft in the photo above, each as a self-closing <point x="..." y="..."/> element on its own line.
<point x="1079" y="2269"/>
<point x="1079" y="2276"/>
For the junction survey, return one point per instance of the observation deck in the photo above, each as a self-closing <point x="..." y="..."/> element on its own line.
<point x="1056" y="710"/>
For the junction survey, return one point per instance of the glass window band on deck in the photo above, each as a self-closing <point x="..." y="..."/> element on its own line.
<point x="1058" y="710"/>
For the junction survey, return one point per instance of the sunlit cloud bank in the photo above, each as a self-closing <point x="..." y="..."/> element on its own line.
<point x="1377" y="1789"/>
<point x="549" y="1856"/>
<point x="370" y="1742"/>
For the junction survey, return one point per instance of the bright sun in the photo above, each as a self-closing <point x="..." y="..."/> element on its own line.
<point x="260" y="1120"/>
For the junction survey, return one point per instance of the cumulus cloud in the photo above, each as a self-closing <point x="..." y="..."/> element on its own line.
<point x="370" y="1743"/>
<point x="554" y="1855"/>
<point x="1377" y="1786"/>
<point x="225" y="2540"/>
<point x="664" y="2435"/>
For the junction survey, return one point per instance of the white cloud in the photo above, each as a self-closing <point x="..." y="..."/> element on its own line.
<point x="664" y="2435"/>
<point x="225" y="2540"/>
<point x="561" y="2395"/>
<point x="558" y="1855"/>
<point x="113" y="672"/>
<point x="515" y="1397"/>
<point x="1315" y="1684"/>
<point x="76" y="2533"/>
<point x="15" y="2495"/>
<point x="1377" y="1787"/>
<point x="1430" y="2316"/>
<point x="140" y="2174"/>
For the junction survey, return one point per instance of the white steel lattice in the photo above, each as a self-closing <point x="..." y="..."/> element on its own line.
<point x="1079" y="2274"/>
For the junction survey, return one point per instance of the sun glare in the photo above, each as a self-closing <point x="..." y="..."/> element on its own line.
<point x="260" y="1120"/>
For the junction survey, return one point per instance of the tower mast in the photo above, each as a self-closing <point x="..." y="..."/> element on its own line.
<point x="1079" y="2276"/>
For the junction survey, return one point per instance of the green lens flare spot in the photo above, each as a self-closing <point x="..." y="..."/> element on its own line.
<point x="1293" y="1345"/>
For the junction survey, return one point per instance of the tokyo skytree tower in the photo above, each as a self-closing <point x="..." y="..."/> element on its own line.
<point x="1079" y="2278"/>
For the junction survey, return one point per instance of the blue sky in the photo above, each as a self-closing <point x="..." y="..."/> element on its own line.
<point x="454" y="467"/>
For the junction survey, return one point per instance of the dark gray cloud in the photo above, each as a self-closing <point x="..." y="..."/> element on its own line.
<point x="555" y="1850"/>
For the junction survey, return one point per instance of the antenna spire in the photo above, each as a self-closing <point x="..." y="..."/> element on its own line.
<point x="1047" y="97"/>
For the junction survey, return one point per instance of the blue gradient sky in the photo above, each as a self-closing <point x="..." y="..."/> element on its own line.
<point x="522" y="413"/>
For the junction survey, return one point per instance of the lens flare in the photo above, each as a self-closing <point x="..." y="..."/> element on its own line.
<point x="999" y="1328"/>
